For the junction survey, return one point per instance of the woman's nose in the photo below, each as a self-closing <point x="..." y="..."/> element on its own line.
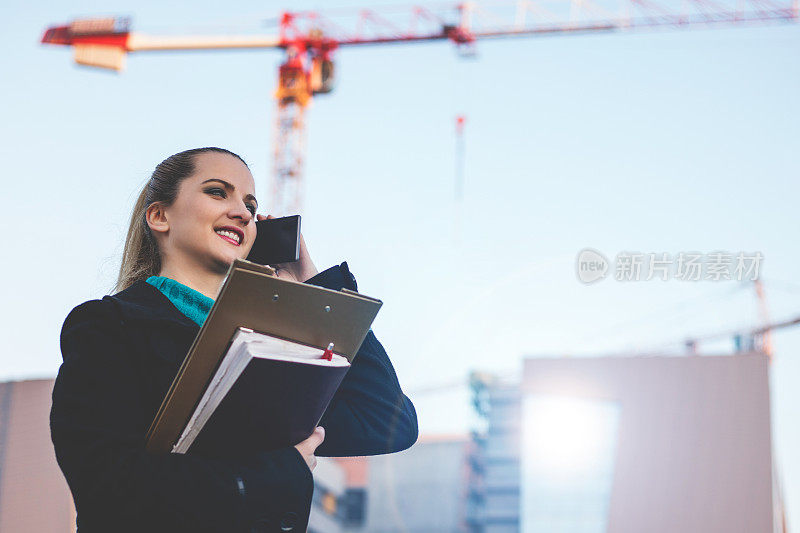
<point x="241" y="211"/>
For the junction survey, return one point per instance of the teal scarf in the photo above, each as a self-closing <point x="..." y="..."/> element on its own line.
<point x="190" y="302"/>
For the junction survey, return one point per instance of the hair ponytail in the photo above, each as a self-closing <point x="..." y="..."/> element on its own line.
<point x="141" y="257"/>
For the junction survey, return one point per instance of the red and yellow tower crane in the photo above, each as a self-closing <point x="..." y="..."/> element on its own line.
<point x="310" y="38"/>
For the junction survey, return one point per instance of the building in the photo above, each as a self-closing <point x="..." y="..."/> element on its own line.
<point x="34" y="496"/>
<point x="327" y="514"/>
<point x="493" y="493"/>
<point x="419" y="490"/>
<point x="620" y="444"/>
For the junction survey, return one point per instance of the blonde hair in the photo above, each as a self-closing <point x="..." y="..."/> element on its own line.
<point x="141" y="257"/>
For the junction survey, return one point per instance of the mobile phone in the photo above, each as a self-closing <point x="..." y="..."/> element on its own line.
<point x="277" y="241"/>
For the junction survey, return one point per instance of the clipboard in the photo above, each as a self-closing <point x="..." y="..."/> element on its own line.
<point x="253" y="297"/>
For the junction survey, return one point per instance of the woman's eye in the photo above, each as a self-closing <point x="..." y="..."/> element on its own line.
<point x="215" y="190"/>
<point x="221" y="192"/>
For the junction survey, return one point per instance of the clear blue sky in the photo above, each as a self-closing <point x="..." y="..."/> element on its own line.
<point x="655" y="142"/>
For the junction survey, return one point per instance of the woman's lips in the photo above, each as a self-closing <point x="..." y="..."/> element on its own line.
<point x="228" y="239"/>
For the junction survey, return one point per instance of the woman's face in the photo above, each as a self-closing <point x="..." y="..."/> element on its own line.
<point x="212" y="221"/>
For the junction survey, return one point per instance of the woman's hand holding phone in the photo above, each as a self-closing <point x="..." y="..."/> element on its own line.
<point x="300" y="270"/>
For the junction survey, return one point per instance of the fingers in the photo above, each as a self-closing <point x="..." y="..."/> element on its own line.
<point x="307" y="267"/>
<point x="308" y="446"/>
<point x="260" y="217"/>
<point x="316" y="438"/>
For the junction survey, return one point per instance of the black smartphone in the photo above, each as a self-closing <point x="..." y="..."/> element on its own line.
<point x="277" y="241"/>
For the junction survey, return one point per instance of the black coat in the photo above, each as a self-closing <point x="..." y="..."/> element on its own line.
<point x="121" y="354"/>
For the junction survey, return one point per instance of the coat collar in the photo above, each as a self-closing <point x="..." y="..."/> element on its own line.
<point x="143" y="302"/>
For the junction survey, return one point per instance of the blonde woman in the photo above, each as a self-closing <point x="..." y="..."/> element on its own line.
<point x="194" y="216"/>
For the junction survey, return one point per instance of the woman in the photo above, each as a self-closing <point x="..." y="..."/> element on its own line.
<point x="192" y="219"/>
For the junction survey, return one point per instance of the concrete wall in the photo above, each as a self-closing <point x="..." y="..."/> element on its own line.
<point x="693" y="449"/>
<point x="34" y="496"/>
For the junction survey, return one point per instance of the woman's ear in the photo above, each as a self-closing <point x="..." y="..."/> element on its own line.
<point x="156" y="218"/>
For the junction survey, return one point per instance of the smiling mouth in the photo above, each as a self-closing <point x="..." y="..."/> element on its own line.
<point x="229" y="236"/>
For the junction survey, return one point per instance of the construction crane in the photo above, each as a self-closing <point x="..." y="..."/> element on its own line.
<point x="310" y="38"/>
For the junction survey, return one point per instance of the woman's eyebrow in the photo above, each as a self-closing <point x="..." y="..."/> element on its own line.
<point x="231" y="187"/>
